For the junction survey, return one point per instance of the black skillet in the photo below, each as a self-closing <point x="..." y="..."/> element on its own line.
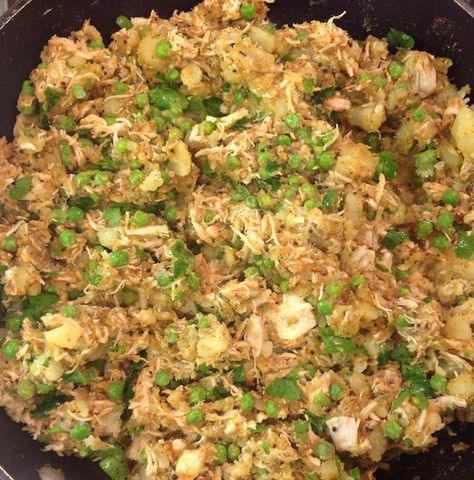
<point x="443" y="27"/>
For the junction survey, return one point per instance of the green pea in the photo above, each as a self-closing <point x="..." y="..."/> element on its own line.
<point x="308" y="190"/>
<point x="357" y="281"/>
<point x="165" y="280"/>
<point x="271" y="409"/>
<point x="141" y="100"/>
<point x="451" y="197"/>
<point x="83" y="178"/>
<point x="171" y="336"/>
<point x="233" y="452"/>
<point x="336" y="391"/>
<point x="438" y="382"/>
<point x="308" y="85"/>
<point x="14" y="323"/>
<point x="284" y="286"/>
<point x="395" y="69"/>
<point x="122" y="145"/>
<point x="364" y="77"/>
<point x="323" y="450"/>
<point x="75" y="214"/>
<point x="290" y="192"/>
<point x="208" y="216"/>
<point x="247" y="402"/>
<point x="112" y="216"/>
<point x="144" y="31"/>
<point x="303" y="134"/>
<point x="401" y="321"/>
<point x="80" y="431"/>
<point x="251" y="272"/>
<point x="129" y="297"/>
<point x="97" y="44"/>
<point x="419" y="115"/>
<point x="10" y="349"/>
<point x="294" y="180"/>
<point x="69" y="311"/>
<point x="334" y="289"/>
<point x="372" y="139"/>
<point x="173" y="75"/>
<point x="136" y="177"/>
<point x="67" y="238"/>
<point x="221" y="453"/>
<point x="321" y="400"/>
<point x="264" y="158"/>
<point x="284" y="140"/>
<point x="380" y="81"/>
<point x="101" y="179"/>
<point x="27" y="88"/>
<point x="187" y="125"/>
<point x="292" y="121"/>
<point x="10" y="244"/>
<point x="163" y="49"/>
<point x="251" y="201"/>
<point x="59" y="216"/>
<point x="233" y="162"/>
<point x="445" y="220"/>
<point x="238" y="97"/>
<point x="175" y="134"/>
<point x="120" y="88"/>
<point x="326" y="161"/>
<point x="140" y="218"/>
<point x="26" y="389"/>
<point x="119" y="258"/>
<point x="247" y="11"/>
<point x="163" y="378"/>
<point x="208" y="127"/>
<point x="424" y="229"/>
<point x="324" y="307"/>
<point x="441" y="242"/>
<point x="79" y="92"/>
<point x="393" y="430"/>
<point x="110" y="118"/>
<point x="294" y="161"/>
<point x="301" y="428"/>
<point x="202" y="323"/>
<point x="195" y="416"/>
<point x="171" y="213"/>
<point x="197" y="395"/>
<point x="115" y="391"/>
<point x="65" y="123"/>
<point x="464" y="246"/>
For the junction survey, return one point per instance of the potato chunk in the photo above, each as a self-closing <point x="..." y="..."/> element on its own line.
<point x="356" y="161"/>
<point x="190" y="464"/>
<point x="65" y="336"/>
<point x="368" y="117"/>
<point x="458" y="325"/>
<point x="462" y="386"/>
<point x="463" y="132"/>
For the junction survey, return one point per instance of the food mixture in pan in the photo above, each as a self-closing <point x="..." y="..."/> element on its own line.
<point x="236" y="251"/>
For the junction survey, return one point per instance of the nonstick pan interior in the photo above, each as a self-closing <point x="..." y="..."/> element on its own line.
<point x="443" y="27"/>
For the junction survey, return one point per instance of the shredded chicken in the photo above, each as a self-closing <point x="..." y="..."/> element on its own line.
<point x="233" y="251"/>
